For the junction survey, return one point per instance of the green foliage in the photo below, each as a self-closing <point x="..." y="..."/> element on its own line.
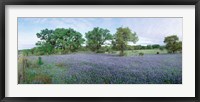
<point x="66" y="40"/>
<point x="84" y="48"/>
<point x="40" y="61"/>
<point x="25" y="52"/>
<point x="101" y="50"/>
<point x="145" y="51"/>
<point x="122" y="53"/>
<point x="62" y="41"/>
<point x="44" y="48"/>
<point x="122" y="36"/>
<point x="44" y="74"/>
<point x="108" y="49"/>
<point x="173" y="44"/>
<point x="179" y="46"/>
<point x="37" y="75"/>
<point x="149" y="47"/>
<point x="97" y="37"/>
<point x="140" y="47"/>
<point x="141" y="54"/>
<point x="162" y="48"/>
<point x="156" y="46"/>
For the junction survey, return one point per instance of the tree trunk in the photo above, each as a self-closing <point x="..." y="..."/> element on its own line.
<point x="122" y="50"/>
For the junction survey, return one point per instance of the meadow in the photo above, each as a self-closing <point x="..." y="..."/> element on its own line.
<point x="102" y="68"/>
<point x="97" y="56"/>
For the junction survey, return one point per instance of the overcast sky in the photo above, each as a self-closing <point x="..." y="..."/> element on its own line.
<point x="149" y="30"/>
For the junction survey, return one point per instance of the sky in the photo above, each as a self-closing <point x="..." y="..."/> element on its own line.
<point x="149" y="30"/>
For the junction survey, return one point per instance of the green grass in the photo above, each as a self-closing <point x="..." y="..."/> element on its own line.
<point x="146" y="52"/>
<point x="36" y="73"/>
<point x="45" y="74"/>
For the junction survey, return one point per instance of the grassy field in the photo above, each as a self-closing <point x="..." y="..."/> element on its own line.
<point x="146" y="52"/>
<point x="91" y="68"/>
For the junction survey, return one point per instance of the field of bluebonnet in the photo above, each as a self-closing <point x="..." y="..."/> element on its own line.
<point x="89" y="68"/>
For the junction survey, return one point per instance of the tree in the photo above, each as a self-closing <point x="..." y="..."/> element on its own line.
<point x="68" y="39"/>
<point x="44" y="48"/>
<point x="179" y="46"/>
<point x="173" y="44"/>
<point x="97" y="37"/>
<point x="162" y="48"/>
<point x="156" y="46"/>
<point x="149" y="47"/>
<point x="122" y="36"/>
<point x="60" y="38"/>
<point x="47" y="36"/>
<point x="25" y="52"/>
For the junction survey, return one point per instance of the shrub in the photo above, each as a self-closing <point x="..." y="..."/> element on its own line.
<point x="122" y="54"/>
<point x="157" y="53"/>
<point x="113" y="52"/>
<point x="161" y="48"/>
<point x="141" y="54"/>
<point x="101" y="50"/>
<point x="25" y="52"/>
<point x="40" y="61"/>
<point x="83" y="48"/>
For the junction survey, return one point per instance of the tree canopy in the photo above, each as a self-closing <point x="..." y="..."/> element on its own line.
<point x="60" y="38"/>
<point x="97" y="37"/>
<point x="64" y="40"/>
<point x="173" y="44"/>
<point x="122" y="37"/>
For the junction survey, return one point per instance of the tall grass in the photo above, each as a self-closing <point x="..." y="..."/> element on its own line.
<point x="38" y="72"/>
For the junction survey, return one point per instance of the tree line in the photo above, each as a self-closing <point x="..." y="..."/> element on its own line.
<point x="66" y="40"/>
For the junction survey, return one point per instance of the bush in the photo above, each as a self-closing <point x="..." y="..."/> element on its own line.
<point x="25" y="52"/>
<point x="141" y="54"/>
<point x="123" y="54"/>
<point x="83" y="48"/>
<point x="40" y="61"/>
<point x="161" y="48"/>
<point x="101" y="50"/>
<point x="108" y="49"/>
<point x="157" y="53"/>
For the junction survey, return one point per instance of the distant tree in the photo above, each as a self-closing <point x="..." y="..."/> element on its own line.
<point x="32" y="50"/>
<point x="137" y="47"/>
<point x="97" y="37"/>
<point x="114" y="44"/>
<point x="143" y="47"/>
<point x="179" y="46"/>
<point x="25" y="52"/>
<point x="162" y="48"/>
<point x="173" y="44"/>
<point x="122" y="36"/>
<point x="149" y="46"/>
<point x="156" y="46"/>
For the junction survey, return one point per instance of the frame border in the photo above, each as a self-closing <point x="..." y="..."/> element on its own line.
<point x="3" y="3"/>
